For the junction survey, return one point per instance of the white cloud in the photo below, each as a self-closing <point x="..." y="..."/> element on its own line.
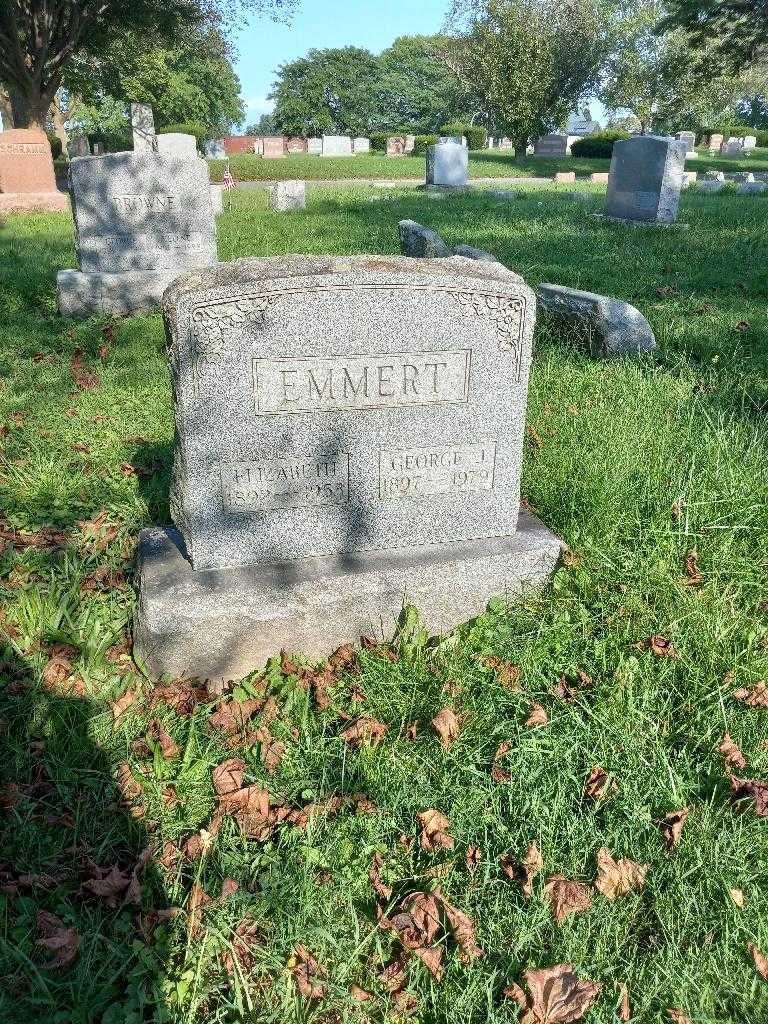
<point x="260" y="105"/>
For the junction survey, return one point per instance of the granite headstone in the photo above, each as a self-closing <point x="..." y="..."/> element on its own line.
<point x="396" y="145"/>
<point x="143" y="124"/>
<point x="296" y="144"/>
<point x="288" y="195"/>
<point x="177" y="144"/>
<point x="337" y="145"/>
<point x="27" y="178"/>
<point x="273" y="147"/>
<point x="447" y="165"/>
<point x="315" y="145"/>
<point x="645" y="180"/>
<point x="360" y="144"/>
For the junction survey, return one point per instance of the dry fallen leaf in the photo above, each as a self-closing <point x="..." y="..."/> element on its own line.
<point x="228" y="776"/>
<point x="751" y="789"/>
<point x="462" y="928"/>
<point x="434" y="831"/>
<point x="473" y="857"/>
<point x="759" y="959"/>
<point x="737" y="896"/>
<point x="756" y="697"/>
<point x="447" y="725"/>
<point x="506" y="674"/>
<point x="537" y="717"/>
<point x="734" y="759"/>
<point x="383" y="891"/>
<point x="198" y="900"/>
<point x="625" y="1012"/>
<point x="57" y="938"/>
<point x="245" y="938"/>
<point x="556" y="995"/>
<point x="672" y="828"/>
<point x="499" y="774"/>
<point x="693" y="576"/>
<point x="660" y="646"/>
<point x="678" y="1017"/>
<point x="617" y="877"/>
<point x="599" y="784"/>
<point x="122" y="703"/>
<point x="364" y="730"/>
<point x="360" y="995"/>
<point x="567" y="897"/>
<point x="231" y="716"/>
<point x="525" y="872"/>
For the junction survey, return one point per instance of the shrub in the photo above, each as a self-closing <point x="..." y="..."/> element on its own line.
<point x="188" y="128"/>
<point x="600" y="144"/>
<point x="55" y="141"/>
<point x="379" y="142"/>
<point x="475" y="134"/>
<point x="421" y="142"/>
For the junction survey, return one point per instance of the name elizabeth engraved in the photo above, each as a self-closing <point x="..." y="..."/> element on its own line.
<point x="337" y="383"/>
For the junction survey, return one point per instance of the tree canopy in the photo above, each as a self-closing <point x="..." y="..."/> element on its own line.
<point x="737" y="29"/>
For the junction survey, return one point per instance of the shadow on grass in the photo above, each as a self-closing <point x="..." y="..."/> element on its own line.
<point x="69" y="848"/>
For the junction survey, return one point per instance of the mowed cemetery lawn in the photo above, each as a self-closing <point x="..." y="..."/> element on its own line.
<point x="346" y="832"/>
<point x="493" y="163"/>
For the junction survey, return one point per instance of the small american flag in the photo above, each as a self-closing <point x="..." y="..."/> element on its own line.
<point x="228" y="181"/>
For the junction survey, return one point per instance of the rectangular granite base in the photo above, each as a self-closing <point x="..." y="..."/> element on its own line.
<point x="27" y="202"/>
<point x="133" y="291"/>
<point x="221" y="624"/>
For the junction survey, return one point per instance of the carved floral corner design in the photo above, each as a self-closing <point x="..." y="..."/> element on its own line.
<point x="209" y="324"/>
<point x="507" y="315"/>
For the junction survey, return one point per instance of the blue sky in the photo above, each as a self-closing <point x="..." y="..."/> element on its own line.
<point x="265" y="44"/>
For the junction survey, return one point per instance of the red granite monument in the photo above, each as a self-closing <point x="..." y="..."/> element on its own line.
<point x="27" y="179"/>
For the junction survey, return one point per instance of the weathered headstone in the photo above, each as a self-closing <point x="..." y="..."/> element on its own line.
<point x="315" y="145"/>
<point x="361" y="145"/>
<point x="273" y="147"/>
<point x="215" y="150"/>
<point x="27" y="178"/>
<point x="690" y="178"/>
<point x="396" y="145"/>
<point x="141" y="220"/>
<point x="288" y="195"/>
<point x="689" y="138"/>
<point x="748" y="187"/>
<point x="410" y="143"/>
<point x="177" y="144"/>
<point x="296" y="144"/>
<point x="732" y="147"/>
<point x="645" y="179"/>
<point x="551" y="145"/>
<point x="749" y="141"/>
<point x="601" y="176"/>
<point x="98" y="149"/>
<point x="447" y="165"/>
<point x="143" y="124"/>
<point x="611" y="326"/>
<point x="337" y="145"/>
<point x="217" y="198"/>
<point x="421" y="242"/>
<point x="349" y="436"/>
<point x="715" y="141"/>
<point x="564" y="177"/>
<point x="711" y="185"/>
<point x="715" y="175"/>
<point x="78" y="146"/>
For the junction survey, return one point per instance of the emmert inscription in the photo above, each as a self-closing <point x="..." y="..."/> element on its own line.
<point x="445" y="469"/>
<point x="336" y="383"/>
<point x="285" y="483"/>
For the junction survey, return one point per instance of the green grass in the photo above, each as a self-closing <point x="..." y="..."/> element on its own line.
<point x="482" y="164"/>
<point x="633" y="464"/>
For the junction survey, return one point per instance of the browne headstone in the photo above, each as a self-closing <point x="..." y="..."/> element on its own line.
<point x="337" y="145"/>
<point x="447" y="165"/>
<point x="349" y="435"/>
<point x="143" y="124"/>
<point x="361" y="145"/>
<point x="141" y="219"/>
<point x="288" y="195"/>
<point x="27" y="178"/>
<point x="396" y="145"/>
<point x="177" y="144"/>
<point x="645" y="180"/>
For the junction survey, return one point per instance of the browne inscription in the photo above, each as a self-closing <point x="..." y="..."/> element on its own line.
<point x="444" y="469"/>
<point x="335" y="383"/>
<point x="270" y="484"/>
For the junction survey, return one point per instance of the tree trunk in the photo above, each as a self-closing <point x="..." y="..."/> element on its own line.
<point x="521" y="149"/>
<point x="30" y="108"/>
<point x="6" y="110"/>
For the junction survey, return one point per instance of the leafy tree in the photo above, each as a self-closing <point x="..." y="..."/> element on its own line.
<point x="40" y="38"/>
<point x="736" y="29"/>
<point x="664" y="81"/>
<point x="415" y="90"/>
<point x="526" y="62"/>
<point x="327" y="92"/>
<point x="264" y="126"/>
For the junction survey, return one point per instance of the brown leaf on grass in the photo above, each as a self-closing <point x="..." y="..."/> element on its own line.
<point x="57" y="938"/>
<point x="617" y="877"/>
<point x="625" y="1011"/>
<point x="228" y="886"/>
<point x="462" y="928"/>
<point x="231" y="716"/>
<point x="514" y="991"/>
<point x="417" y="922"/>
<point x="272" y="752"/>
<point x="756" y="697"/>
<point x="499" y="774"/>
<point x="158" y="736"/>
<point x="672" y="828"/>
<point x="181" y="695"/>
<point x="122" y="703"/>
<point x="197" y="844"/>
<point x="84" y="380"/>
<point x="129" y="788"/>
<point x="759" y="959"/>
<point x="382" y="890"/>
<point x="734" y="759"/>
<point x="392" y="976"/>
<point x="526" y="871"/>
<point x="678" y="1017"/>
<point x="432" y="958"/>
<point x="197" y="902"/>
<point x="307" y="974"/>
<point x="364" y="730"/>
<point x="537" y="717"/>
<point x="567" y="897"/>
<point x="506" y="674"/>
<point x="737" y="895"/>
<point x="751" y="789"/>
<point x="599" y="785"/>
<point x="412" y="731"/>
<point x="108" y="886"/>
<point x="343" y="658"/>
<point x="447" y="725"/>
<point x="569" y="690"/>
<point x="227" y="777"/>
<point x="97" y="533"/>
<point x="658" y="645"/>
<point x="536" y="438"/>
<point x="58" y="670"/>
<point x="570" y="558"/>
<point x="556" y="995"/>
<point x="360" y="995"/>
<point x="434" y="831"/>
<point x="104" y="579"/>
<point x="245" y="938"/>
<point x="473" y="857"/>
<point x="693" y="575"/>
